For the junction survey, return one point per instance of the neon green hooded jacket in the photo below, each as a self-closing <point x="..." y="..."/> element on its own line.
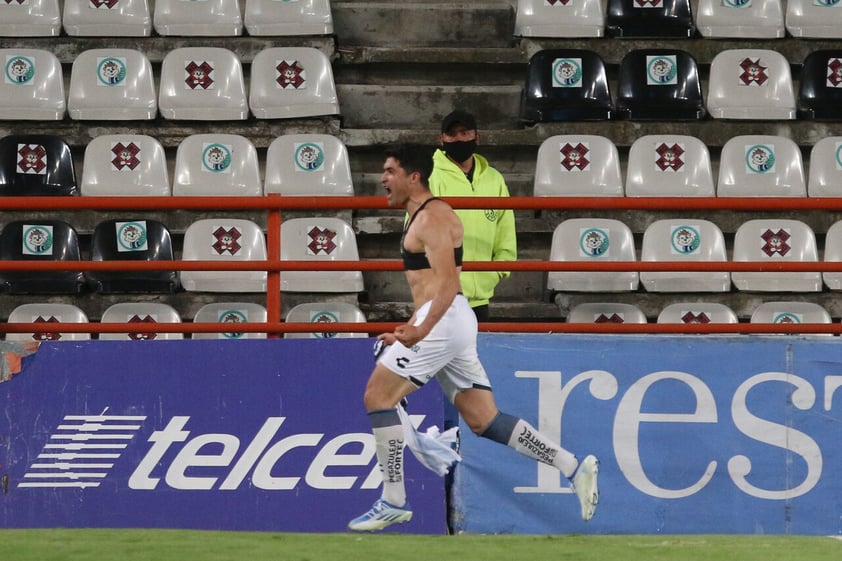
<point x="489" y="234"/>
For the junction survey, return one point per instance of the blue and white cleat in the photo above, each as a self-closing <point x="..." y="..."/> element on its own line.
<point x="585" y="485"/>
<point x="382" y="514"/>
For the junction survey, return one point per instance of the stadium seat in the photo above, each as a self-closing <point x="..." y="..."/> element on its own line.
<point x="775" y="241"/>
<point x="565" y="85"/>
<point x="125" y="165"/>
<point x="319" y="239"/>
<point x="230" y="312"/>
<point x="324" y="313"/>
<point x="659" y="84"/>
<point x="140" y="312"/>
<point x="577" y="165"/>
<point x="790" y="312"/>
<point x="750" y="84"/>
<point x="109" y="18"/>
<point x="209" y="17"/>
<point x="686" y="240"/>
<point x="292" y="82"/>
<point x="34" y="18"/>
<point x="597" y="240"/>
<point x="308" y="164"/>
<point x="833" y="254"/>
<point x="745" y="19"/>
<point x="36" y="165"/>
<point x="113" y="85"/>
<point x="761" y="166"/>
<point x="218" y="165"/>
<point x="820" y="86"/>
<point x="606" y="312"/>
<point x="224" y="240"/>
<point x="33" y="85"/>
<point x="697" y="312"/>
<point x="202" y="84"/>
<point x="669" y="165"/>
<point x="304" y="17"/>
<point x="40" y="240"/>
<point x="559" y="18"/>
<point x="38" y="313"/>
<point x="818" y="19"/>
<point x="132" y="240"/>
<point x="649" y="18"/>
<point x="825" y="177"/>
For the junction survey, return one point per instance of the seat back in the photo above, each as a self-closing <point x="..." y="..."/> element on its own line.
<point x="697" y="312"/>
<point x="230" y="312"/>
<point x="210" y="17"/>
<point x="33" y="84"/>
<point x="750" y="84"/>
<point x="790" y="312"/>
<point x="219" y="165"/>
<point x="833" y="254"/>
<point x="35" y="18"/>
<point x="40" y="240"/>
<point x="125" y="165"/>
<point x="577" y="165"/>
<point x="112" y="84"/>
<point x="753" y="19"/>
<point x="308" y="164"/>
<point x="319" y="239"/>
<point x="649" y="18"/>
<point x="669" y="165"/>
<point x="41" y="313"/>
<point x="559" y="18"/>
<point x="776" y="240"/>
<point x="661" y="84"/>
<point x="305" y="17"/>
<point x="140" y="312"/>
<point x="825" y="177"/>
<point x="606" y="312"/>
<point x="224" y="239"/>
<point x="36" y="165"/>
<point x="325" y="313"/>
<point x="202" y="84"/>
<point x="761" y="166"/>
<point x="814" y="18"/>
<point x="820" y="86"/>
<point x="109" y="18"/>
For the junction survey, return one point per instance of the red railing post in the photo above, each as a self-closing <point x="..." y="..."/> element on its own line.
<point x="273" y="277"/>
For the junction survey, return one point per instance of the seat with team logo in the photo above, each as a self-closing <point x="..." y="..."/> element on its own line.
<point x="33" y="18"/>
<point x="140" y="312"/>
<point x="761" y="166"/>
<point x="659" y="84"/>
<point x="46" y="313"/>
<point x="791" y="312"/>
<point x="308" y="164"/>
<point x="40" y="240"/>
<point x="559" y="18"/>
<point x="112" y="84"/>
<point x="209" y="17"/>
<point x="219" y="165"/>
<point x="833" y="254"/>
<point x="750" y="84"/>
<point x="108" y="18"/>
<point x="819" y="19"/>
<point x="133" y="239"/>
<point x="776" y="241"/>
<point x="565" y="85"/>
<point x="291" y="82"/>
<point x="597" y="240"/>
<point x="577" y="165"/>
<point x="820" y="86"/>
<point x="224" y="240"/>
<point x="305" y="17"/>
<point x="697" y="312"/>
<point x="669" y="165"/>
<point x="233" y="313"/>
<point x="605" y="312"/>
<point x="825" y="176"/>
<point x="125" y="165"/>
<point x="36" y="165"/>
<point x="649" y="18"/>
<point x="325" y="313"/>
<point x="745" y="19"/>
<point x="33" y="84"/>
<point x="319" y="239"/>
<point x="684" y="240"/>
<point x="202" y="84"/>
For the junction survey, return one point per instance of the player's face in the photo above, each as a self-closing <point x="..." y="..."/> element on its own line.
<point x="459" y="133"/>
<point x="396" y="182"/>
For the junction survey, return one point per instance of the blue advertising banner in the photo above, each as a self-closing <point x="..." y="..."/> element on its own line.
<point x="236" y="435"/>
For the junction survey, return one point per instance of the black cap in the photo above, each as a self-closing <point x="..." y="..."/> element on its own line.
<point x="460" y="117"/>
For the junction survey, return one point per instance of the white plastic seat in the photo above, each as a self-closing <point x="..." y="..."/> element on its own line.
<point x="684" y="240"/>
<point x="303" y="17"/>
<point x="319" y="239"/>
<point x="289" y="82"/>
<point x="322" y="313"/>
<point x="833" y="254"/>
<point x="761" y="166"/>
<point x="592" y="239"/>
<point x="208" y="17"/>
<point x="790" y="312"/>
<point x="127" y="165"/>
<point x="112" y="84"/>
<point x="697" y="312"/>
<point x="814" y="18"/>
<point x="219" y="165"/>
<point x="825" y="177"/>
<point x="555" y="18"/>
<point x="35" y="18"/>
<point x="202" y="84"/>
<point x="776" y="240"/>
<point x="123" y="18"/>
<point x="577" y="165"/>
<point x="224" y="239"/>
<point x="669" y="165"/>
<point x="750" y="84"/>
<point x="750" y="19"/>
<point x="230" y="312"/>
<point x="33" y="85"/>
<point x="308" y="164"/>
<point x="606" y="312"/>
<point x="140" y="312"/>
<point x="47" y="313"/>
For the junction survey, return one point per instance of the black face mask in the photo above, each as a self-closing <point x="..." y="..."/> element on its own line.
<point x="460" y="150"/>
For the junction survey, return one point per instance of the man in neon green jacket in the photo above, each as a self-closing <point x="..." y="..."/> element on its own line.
<point x="489" y="234"/>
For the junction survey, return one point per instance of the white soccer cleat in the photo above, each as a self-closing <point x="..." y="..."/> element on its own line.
<point x="382" y="514"/>
<point x="585" y="485"/>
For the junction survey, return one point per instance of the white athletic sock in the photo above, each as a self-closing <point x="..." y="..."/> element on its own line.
<point x="390" y="442"/>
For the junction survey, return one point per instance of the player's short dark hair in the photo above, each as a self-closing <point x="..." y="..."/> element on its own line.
<point x="413" y="158"/>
